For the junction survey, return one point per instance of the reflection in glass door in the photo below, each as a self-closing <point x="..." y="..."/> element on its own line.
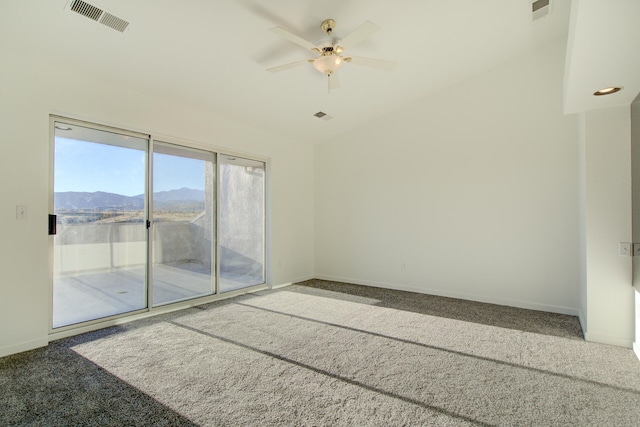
<point x="100" y="249"/>
<point x="183" y="223"/>
<point x="242" y="223"/>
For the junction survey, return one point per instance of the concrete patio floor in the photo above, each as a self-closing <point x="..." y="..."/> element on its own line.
<point x="94" y="295"/>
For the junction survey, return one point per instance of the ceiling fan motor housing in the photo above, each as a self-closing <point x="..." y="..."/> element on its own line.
<point x="328" y="25"/>
<point x="327" y="43"/>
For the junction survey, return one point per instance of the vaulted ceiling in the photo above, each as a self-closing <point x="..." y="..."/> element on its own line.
<point x="214" y="54"/>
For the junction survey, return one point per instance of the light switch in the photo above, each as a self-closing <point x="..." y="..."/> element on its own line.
<point x="21" y="212"/>
<point x="625" y="249"/>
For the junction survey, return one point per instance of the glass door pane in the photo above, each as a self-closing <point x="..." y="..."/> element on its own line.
<point x="183" y="223"/>
<point x="100" y="248"/>
<point x="242" y="223"/>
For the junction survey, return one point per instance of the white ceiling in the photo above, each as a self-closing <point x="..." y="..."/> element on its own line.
<point x="213" y="54"/>
<point x="603" y="51"/>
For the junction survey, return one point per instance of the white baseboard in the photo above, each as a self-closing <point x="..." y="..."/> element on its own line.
<point x="24" y="346"/>
<point x="583" y="323"/>
<point x="301" y="279"/>
<point x="636" y="350"/>
<point x="607" y="339"/>
<point x="458" y="295"/>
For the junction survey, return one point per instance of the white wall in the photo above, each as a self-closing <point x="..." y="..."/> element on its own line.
<point x="583" y="310"/>
<point x="635" y="198"/>
<point x="609" y="291"/>
<point x="471" y="192"/>
<point x="29" y="92"/>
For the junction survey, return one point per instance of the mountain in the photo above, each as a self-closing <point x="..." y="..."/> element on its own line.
<point x="179" y="195"/>
<point x="101" y="201"/>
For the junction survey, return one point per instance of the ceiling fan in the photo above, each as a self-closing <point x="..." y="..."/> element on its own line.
<point x="330" y="51"/>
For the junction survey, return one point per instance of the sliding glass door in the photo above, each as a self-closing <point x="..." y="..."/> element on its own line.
<point x="242" y="223"/>
<point x="100" y="245"/>
<point x="142" y="223"/>
<point x="183" y="223"/>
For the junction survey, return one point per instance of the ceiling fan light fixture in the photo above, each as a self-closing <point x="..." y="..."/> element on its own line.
<point x="328" y="64"/>
<point x="330" y="50"/>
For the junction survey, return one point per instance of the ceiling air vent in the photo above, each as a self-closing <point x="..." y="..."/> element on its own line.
<point x="99" y="15"/>
<point x="114" y="22"/>
<point x="540" y="8"/>
<point x="86" y="9"/>
<point x="323" y="116"/>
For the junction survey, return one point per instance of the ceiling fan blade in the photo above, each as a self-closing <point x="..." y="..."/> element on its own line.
<point x="287" y="66"/>
<point x="293" y="38"/>
<point x="372" y="62"/>
<point x="358" y="35"/>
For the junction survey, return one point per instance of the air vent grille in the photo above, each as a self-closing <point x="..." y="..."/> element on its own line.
<point x="537" y="5"/>
<point x="86" y="9"/>
<point x="540" y="8"/>
<point x="323" y="116"/>
<point x="95" y="13"/>
<point x="114" y="22"/>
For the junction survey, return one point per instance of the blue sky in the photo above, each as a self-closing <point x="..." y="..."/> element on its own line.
<point x="88" y="167"/>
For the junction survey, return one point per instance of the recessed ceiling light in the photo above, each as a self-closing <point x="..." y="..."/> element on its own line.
<point x="607" y="90"/>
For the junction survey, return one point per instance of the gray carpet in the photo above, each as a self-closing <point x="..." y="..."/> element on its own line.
<point x="323" y="353"/>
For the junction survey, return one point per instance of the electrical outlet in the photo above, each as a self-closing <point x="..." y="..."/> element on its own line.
<point x="636" y="250"/>
<point x="625" y="249"/>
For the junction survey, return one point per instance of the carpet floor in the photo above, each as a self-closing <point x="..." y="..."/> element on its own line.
<point x="323" y="353"/>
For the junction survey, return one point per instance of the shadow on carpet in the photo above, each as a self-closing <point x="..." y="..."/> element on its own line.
<point x="55" y="386"/>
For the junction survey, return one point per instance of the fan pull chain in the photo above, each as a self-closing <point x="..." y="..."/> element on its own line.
<point x="329" y="83"/>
